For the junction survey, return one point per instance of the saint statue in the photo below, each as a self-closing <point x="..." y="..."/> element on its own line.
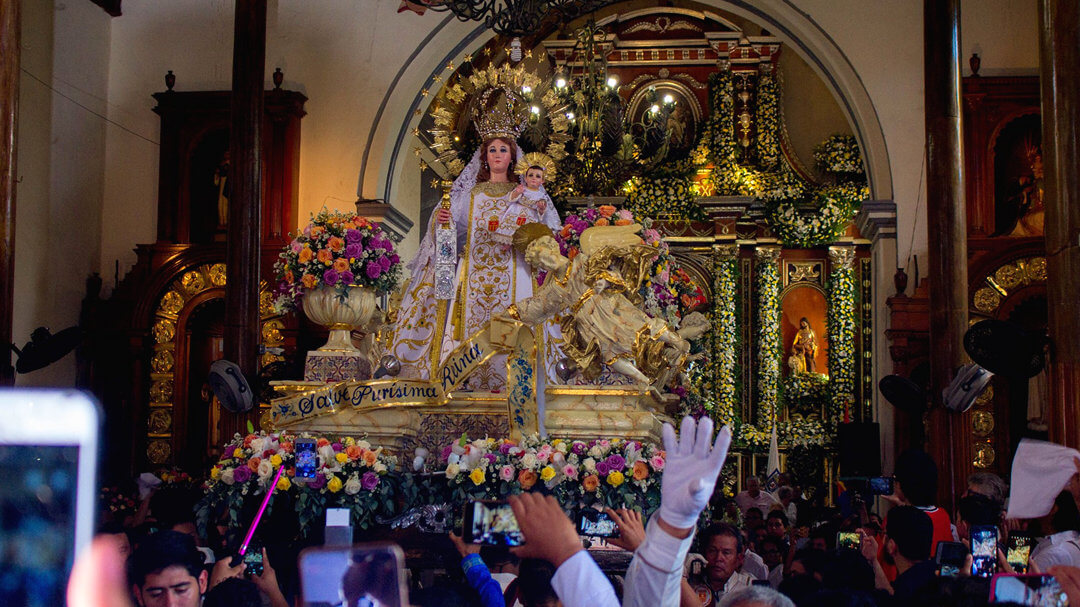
<point x="490" y="275"/>
<point x="601" y="325"/>
<point x="221" y="180"/>
<point x="803" y="349"/>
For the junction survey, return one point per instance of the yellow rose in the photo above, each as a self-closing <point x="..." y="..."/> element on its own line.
<point x="335" y="484"/>
<point x="349" y="441"/>
<point x="238" y="453"/>
<point x="477" y="476"/>
<point x="615" y="479"/>
<point x="275" y="460"/>
<point x="547" y="473"/>
<point x="215" y="473"/>
<point x="341" y="457"/>
<point x="284" y="483"/>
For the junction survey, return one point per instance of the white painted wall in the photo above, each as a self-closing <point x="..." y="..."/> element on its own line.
<point x="63" y="96"/>
<point x="344" y="55"/>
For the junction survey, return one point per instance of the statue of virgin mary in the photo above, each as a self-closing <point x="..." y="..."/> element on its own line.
<point x="490" y="275"/>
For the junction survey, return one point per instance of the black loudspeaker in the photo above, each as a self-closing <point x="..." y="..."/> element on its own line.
<point x="860" y="449"/>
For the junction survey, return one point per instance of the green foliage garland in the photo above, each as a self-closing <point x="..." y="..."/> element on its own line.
<point x="768" y="342"/>
<point x="841" y="334"/>
<point x="822" y="223"/>
<point x="725" y="339"/>
<point x="839" y="154"/>
<point x="768" y="121"/>
<point x="669" y="197"/>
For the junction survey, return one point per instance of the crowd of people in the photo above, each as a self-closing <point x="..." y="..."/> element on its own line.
<point x="762" y="548"/>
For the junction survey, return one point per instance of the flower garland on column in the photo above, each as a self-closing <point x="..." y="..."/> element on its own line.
<point x="841" y="330"/>
<point x="768" y="118"/>
<point x="767" y="285"/>
<point x="725" y="332"/>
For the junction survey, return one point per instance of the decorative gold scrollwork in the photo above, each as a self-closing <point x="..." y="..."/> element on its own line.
<point x="217" y="274"/>
<point x="159" y="451"/>
<point x="193" y="281"/>
<point x="161" y="391"/>
<point x="1009" y="276"/>
<point x="987" y="300"/>
<point x="164" y="331"/>
<point x="984" y="456"/>
<point x="160" y="421"/>
<point x="982" y="423"/>
<point x="163" y="361"/>
<point x="172" y="303"/>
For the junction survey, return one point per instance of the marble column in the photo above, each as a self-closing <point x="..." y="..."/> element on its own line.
<point x="1059" y="67"/>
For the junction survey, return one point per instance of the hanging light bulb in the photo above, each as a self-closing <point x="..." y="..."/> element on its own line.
<point x="526" y="89"/>
<point x="569" y="115"/>
<point x="560" y="82"/>
<point x="668" y="99"/>
<point x="612" y="82"/>
<point x="655" y="108"/>
<point x="534" y="109"/>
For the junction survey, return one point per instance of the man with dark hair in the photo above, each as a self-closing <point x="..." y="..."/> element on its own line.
<point x="753" y="518"/>
<point x="723" y="547"/>
<point x="754" y="497"/>
<point x="234" y="592"/>
<point x="1061" y="546"/>
<point x="974" y="510"/>
<point x="534" y="587"/>
<point x="167" y="570"/>
<point x="916" y="485"/>
<point x="776" y="525"/>
<point x="908" y="538"/>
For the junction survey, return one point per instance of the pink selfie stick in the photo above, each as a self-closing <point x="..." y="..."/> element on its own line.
<point x="266" y="502"/>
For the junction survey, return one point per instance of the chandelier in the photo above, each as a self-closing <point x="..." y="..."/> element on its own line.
<point x="514" y="17"/>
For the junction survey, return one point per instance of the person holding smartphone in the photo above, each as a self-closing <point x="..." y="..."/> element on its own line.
<point x="908" y="536"/>
<point x="477" y="573"/>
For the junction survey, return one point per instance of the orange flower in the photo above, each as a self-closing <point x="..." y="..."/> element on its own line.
<point x="309" y="281"/>
<point x="253" y="464"/>
<point x="602" y="222"/>
<point x="606" y="210"/>
<point x="370" y="457"/>
<point x="362" y="223"/>
<point x="590" y="482"/>
<point x="322" y="442"/>
<point x="289" y="278"/>
<point x="641" y="470"/>
<point x="527" y="478"/>
<point x="336" y="243"/>
<point x="248" y="439"/>
<point x="348" y="225"/>
<point x="565" y="231"/>
<point x="305" y="254"/>
<point x="354" y="452"/>
<point x="341" y="264"/>
<point x="622" y="222"/>
<point x="287" y="447"/>
<point x="325" y="257"/>
<point x="316" y="230"/>
<point x="686" y="300"/>
<point x="572" y="253"/>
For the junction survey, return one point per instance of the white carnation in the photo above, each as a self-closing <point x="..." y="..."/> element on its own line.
<point x="590" y="464"/>
<point x="529" y="461"/>
<point x="265" y="470"/>
<point x="352" y="486"/>
<point x="227" y="476"/>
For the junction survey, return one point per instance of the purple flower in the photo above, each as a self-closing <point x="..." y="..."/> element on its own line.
<point x="591" y="215"/>
<point x="336" y="447"/>
<point x="353" y="236"/>
<point x="369" y="481"/>
<point x="505" y="448"/>
<point x="373" y="270"/>
<point x="578" y="448"/>
<point x="681" y="391"/>
<point x="602" y="468"/>
<point x="331" y="277"/>
<point x="353" y="250"/>
<point x="296" y="246"/>
<point x="394" y="259"/>
<point x="384" y="262"/>
<point x="490" y="457"/>
<point x="347" y="277"/>
<point x="319" y="482"/>
<point x="242" y="474"/>
<point x="615" y="462"/>
<point x="447" y="450"/>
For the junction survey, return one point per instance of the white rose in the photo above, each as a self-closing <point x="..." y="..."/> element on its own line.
<point x="379" y="467"/>
<point x="596" y="451"/>
<point x="562" y="448"/>
<point x="265" y="470"/>
<point x="452" y="470"/>
<point x="529" y="461"/>
<point x="327" y="455"/>
<point x="227" y="476"/>
<point x="352" y="486"/>
<point x="363" y="444"/>
<point x="590" y="464"/>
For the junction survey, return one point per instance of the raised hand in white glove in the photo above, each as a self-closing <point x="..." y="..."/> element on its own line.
<point x="692" y="465"/>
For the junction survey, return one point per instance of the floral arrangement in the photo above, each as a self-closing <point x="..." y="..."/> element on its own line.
<point x="175" y="476"/>
<point x="767" y="285"/>
<point x="116" y="504"/>
<point x="336" y="250"/>
<point x="714" y="382"/>
<point x="613" y="473"/>
<point x="839" y="154"/>
<point x="669" y="292"/>
<point x="350" y="474"/>
<point x="665" y="198"/>
<point x="819" y="224"/>
<point x="841" y="335"/>
<point x="768" y="120"/>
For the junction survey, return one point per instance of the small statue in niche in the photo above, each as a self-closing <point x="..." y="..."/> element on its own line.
<point x="1029" y="200"/>
<point x="803" y="349"/>
<point x="221" y="180"/>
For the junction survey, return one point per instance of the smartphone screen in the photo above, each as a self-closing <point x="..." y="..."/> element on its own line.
<point x="950" y="558"/>
<point x="253" y="559"/>
<point x="594" y="523"/>
<point x="983" y="550"/>
<point x="364" y="574"/>
<point x="48" y="457"/>
<point x="881" y="485"/>
<point x="307" y="460"/>
<point x="847" y="540"/>
<point x="1034" y="589"/>
<point x="492" y="523"/>
<point x="1018" y="551"/>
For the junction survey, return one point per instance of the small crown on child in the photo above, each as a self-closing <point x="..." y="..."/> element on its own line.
<point x="505" y="117"/>
<point x="537" y="159"/>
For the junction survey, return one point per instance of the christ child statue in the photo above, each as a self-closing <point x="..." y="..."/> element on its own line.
<point x="528" y="202"/>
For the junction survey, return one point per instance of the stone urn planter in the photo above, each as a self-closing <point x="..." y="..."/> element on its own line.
<point x="341" y="313"/>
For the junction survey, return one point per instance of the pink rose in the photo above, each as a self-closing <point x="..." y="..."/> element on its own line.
<point x="570" y="471"/>
<point x="657" y="463"/>
<point x="506" y="473"/>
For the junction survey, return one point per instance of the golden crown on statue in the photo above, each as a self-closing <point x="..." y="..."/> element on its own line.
<point x="502" y="115"/>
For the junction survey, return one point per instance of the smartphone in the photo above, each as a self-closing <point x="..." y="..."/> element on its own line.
<point x="307" y="459"/>
<point x="1027" y="589"/>
<point x="1018" y="551"/>
<point x="950" y="558"/>
<point x="594" y="523"/>
<point x="492" y="524"/>
<point x="48" y="460"/>
<point x="253" y="559"/>
<point x="983" y="550"/>
<point x="881" y="485"/>
<point x="848" y="540"/>
<point x="759" y="582"/>
<point x="363" y="574"/>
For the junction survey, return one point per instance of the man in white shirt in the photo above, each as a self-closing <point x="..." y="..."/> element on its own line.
<point x="1062" y="547"/>
<point x="724" y="555"/>
<point x="754" y="497"/>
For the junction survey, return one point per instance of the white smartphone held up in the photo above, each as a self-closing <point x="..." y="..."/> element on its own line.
<point x="48" y="460"/>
